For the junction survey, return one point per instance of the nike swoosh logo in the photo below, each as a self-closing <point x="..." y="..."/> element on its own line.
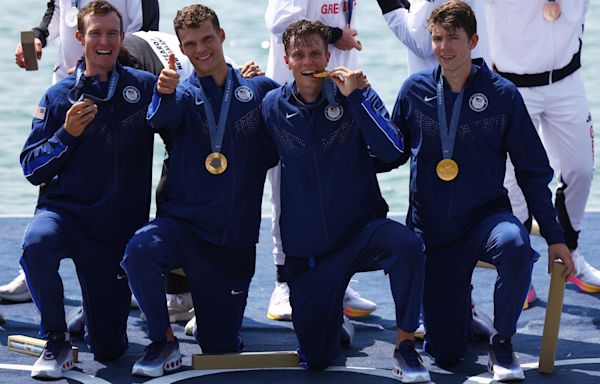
<point x="199" y="101"/>
<point x="121" y="276"/>
<point x="290" y="115"/>
<point x="235" y="293"/>
<point x="429" y="98"/>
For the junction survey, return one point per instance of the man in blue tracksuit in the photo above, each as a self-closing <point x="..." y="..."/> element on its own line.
<point x="333" y="217"/>
<point x="461" y="122"/>
<point x="90" y="150"/>
<point x="208" y="218"/>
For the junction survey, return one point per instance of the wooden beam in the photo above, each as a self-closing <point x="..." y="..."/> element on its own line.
<point x="242" y="360"/>
<point x="31" y="346"/>
<point x="556" y="294"/>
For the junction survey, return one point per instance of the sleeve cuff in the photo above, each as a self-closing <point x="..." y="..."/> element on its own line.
<point x="391" y="5"/>
<point x="336" y="34"/>
<point x="65" y="137"/>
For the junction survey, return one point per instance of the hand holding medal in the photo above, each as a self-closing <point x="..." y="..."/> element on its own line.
<point x="79" y="116"/>
<point x="347" y="81"/>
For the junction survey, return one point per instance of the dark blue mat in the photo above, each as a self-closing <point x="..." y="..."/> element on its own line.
<point x="578" y="355"/>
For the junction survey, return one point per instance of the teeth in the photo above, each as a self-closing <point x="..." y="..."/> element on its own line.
<point x="204" y="57"/>
<point x="99" y="52"/>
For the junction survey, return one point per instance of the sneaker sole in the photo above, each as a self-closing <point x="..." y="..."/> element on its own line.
<point x="55" y="373"/>
<point x="510" y="377"/>
<point x="416" y="379"/>
<point x="186" y="316"/>
<point x="587" y="288"/>
<point x="355" y="313"/>
<point x="22" y="298"/>
<point x="169" y="366"/>
<point x="279" y="317"/>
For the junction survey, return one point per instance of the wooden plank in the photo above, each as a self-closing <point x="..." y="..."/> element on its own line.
<point x="31" y="346"/>
<point x="243" y="360"/>
<point x="28" y="44"/>
<point x="556" y="294"/>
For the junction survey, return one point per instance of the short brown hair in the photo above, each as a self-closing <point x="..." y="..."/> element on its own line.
<point x="193" y="16"/>
<point x="453" y="15"/>
<point x="98" y="7"/>
<point x="302" y="30"/>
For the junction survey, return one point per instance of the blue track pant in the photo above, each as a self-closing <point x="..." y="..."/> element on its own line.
<point x="51" y="237"/>
<point x="219" y="280"/>
<point x="317" y="292"/>
<point x="499" y="239"/>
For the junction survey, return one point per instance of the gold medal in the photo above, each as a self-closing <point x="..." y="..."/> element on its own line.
<point x="216" y="163"/>
<point x="551" y="10"/>
<point x="447" y="169"/>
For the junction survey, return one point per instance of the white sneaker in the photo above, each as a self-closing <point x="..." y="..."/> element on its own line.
<point x="587" y="277"/>
<point x="190" y="327"/>
<point x="279" y="305"/>
<point x="56" y="357"/>
<point x="347" y="333"/>
<point x="16" y="290"/>
<point x="356" y="306"/>
<point x="180" y="307"/>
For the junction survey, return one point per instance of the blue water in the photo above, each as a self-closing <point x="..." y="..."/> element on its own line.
<point x="383" y="59"/>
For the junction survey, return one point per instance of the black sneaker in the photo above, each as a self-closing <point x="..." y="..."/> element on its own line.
<point x="56" y="357"/>
<point x="503" y="363"/>
<point x="408" y="365"/>
<point x="159" y="356"/>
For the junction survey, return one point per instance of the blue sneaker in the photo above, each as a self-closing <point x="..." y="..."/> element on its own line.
<point x="408" y="365"/>
<point x="56" y="357"/>
<point x="159" y="357"/>
<point x="503" y="363"/>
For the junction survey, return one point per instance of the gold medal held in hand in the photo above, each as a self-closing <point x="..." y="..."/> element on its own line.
<point x="216" y="163"/>
<point x="447" y="169"/>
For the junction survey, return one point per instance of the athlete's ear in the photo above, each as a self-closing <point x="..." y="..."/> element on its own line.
<point x="80" y="37"/>
<point x="473" y="41"/>
<point x="287" y="61"/>
<point x="222" y="35"/>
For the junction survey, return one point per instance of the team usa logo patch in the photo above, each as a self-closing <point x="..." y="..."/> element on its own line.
<point x="131" y="94"/>
<point x="478" y="102"/>
<point x="243" y="94"/>
<point x="334" y="113"/>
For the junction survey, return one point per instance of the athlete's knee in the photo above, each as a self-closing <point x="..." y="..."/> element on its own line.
<point x="139" y="251"/>
<point x="446" y="354"/>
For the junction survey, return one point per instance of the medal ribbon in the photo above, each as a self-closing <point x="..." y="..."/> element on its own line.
<point x="217" y="131"/>
<point x="448" y="135"/>
<point x="350" y="6"/>
<point x="329" y="88"/>
<point x="112" y="86"/>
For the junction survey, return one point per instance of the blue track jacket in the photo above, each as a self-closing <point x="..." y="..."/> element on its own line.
<point x="221" y="209"/>
<point x="328" y="184"/>
<point x="493" y="123"/>
<point x="102" y="177"/>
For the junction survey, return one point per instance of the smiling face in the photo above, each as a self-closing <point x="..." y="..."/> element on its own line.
<point x="203" y="46"/>
<point x="101" y="39"/>
<point x="452" y="48"/>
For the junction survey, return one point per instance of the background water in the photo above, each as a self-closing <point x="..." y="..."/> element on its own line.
<point x="383" y="59"/>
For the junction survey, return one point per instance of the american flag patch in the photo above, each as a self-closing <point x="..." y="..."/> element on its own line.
<point x="39" y="113"/>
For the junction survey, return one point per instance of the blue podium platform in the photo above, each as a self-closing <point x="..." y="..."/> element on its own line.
<point x="577" y="358"/>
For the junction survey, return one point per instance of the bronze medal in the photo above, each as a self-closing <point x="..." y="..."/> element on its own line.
<point x="551" y="10"/>
<point x="447" y="169"/>
<point x="216" y="163"/>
